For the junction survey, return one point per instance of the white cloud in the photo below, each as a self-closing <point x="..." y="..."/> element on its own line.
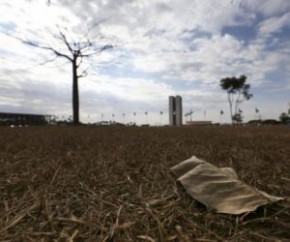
<point x="129" y="89"/>
<point x="274" y="24"/>
<point x="164" y="43"/>
<point x="267" y="7"/>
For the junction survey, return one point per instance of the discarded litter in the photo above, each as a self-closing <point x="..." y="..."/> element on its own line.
<point x="219" y="188"/>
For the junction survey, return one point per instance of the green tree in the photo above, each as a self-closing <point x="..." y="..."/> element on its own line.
<point x="284" y="118"/>
<point x="238" y="118"/>
<point x="237" y="91"/>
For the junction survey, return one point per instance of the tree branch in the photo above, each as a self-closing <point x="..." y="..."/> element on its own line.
<point x="58" y="53"/>
<point x="47" y="48"/>
<point x="28" y="42"/>
<point x="106" y="47"/>
<point x="237" y="102"/>
<point x="230" y="104"/>
<point x="47" y="61"/>
<point x="84" y="74"/>
<point x="66" y="42"/>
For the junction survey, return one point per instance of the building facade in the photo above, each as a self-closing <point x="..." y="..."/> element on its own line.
<point x="25" y="119"/>
<point x="175" y="111"/>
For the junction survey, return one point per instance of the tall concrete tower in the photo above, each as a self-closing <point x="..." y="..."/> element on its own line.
<point x="175" y="111"/>
<point x="178" y="108"/>
<point x="172" y="114"/>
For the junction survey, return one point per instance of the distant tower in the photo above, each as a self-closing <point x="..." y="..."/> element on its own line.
<point x="172" y="119"/>
<point x="175" y="111"/>
<point x="178" y="108"/>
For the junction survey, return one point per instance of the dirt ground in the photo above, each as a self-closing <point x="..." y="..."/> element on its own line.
<point x="114" y="183"/>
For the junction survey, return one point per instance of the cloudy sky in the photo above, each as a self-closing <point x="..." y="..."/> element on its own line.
<point x="161" y="48"/>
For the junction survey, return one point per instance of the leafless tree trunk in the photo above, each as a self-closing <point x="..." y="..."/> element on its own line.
<point x="75" y="93"/>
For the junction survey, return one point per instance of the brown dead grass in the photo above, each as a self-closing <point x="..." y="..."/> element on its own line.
<point x="114" y="184"/>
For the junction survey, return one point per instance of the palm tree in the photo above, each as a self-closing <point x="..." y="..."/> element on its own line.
<point x="146" y="113"/>
<point x="258" y="114"/>
<point x="124" y="115"/>
<point x="221" y="115"/>
<point x="161" y="113"/>
<point x="134" y="114"/>
<point x="186" y="115"/>
<point x="190" y="114"/>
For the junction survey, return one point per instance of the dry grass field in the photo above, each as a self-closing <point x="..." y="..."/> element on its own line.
<point x="114" y="183"/>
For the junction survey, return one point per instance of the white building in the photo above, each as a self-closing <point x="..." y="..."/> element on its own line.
<point x="175" y="111"/>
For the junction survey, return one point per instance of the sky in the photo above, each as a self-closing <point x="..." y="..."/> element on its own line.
<point x="160" y="48"/>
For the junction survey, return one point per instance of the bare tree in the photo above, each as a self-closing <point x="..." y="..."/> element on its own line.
<point x="76" y="52"/>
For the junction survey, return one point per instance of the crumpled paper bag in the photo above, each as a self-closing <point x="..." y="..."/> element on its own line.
<point x="219" y="188"/>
